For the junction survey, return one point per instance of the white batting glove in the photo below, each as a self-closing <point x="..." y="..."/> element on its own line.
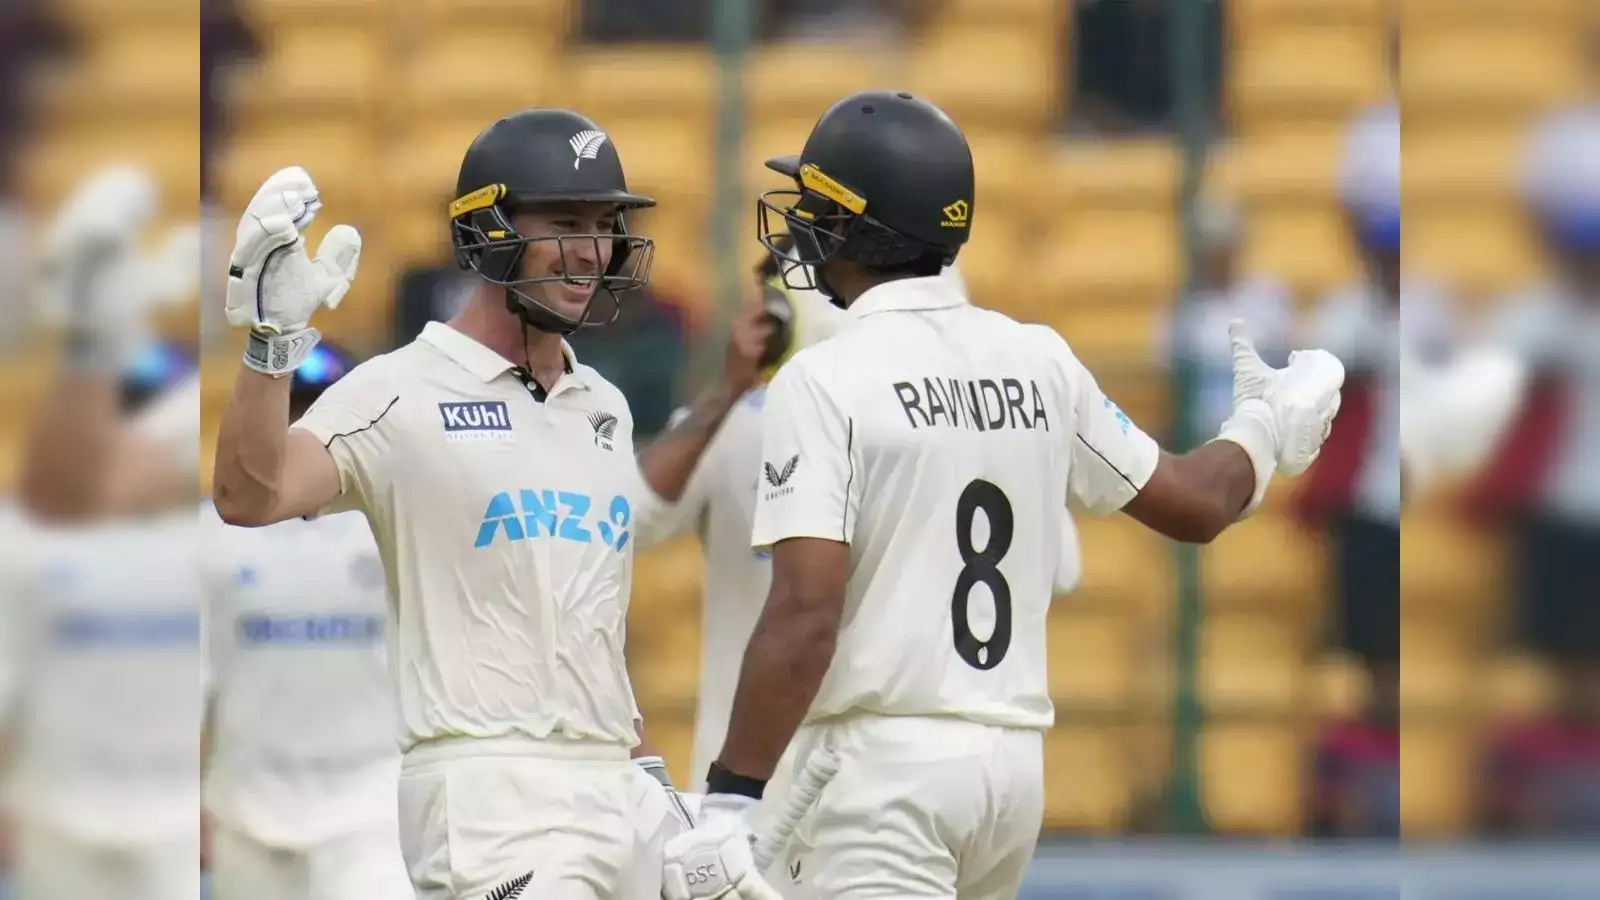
<point x="1305" y="401"/>
<point x="1253" y="426"/>
<point x="273" y="285"/>
<point x="714" y="862"/>
<point x="96" y="282"/>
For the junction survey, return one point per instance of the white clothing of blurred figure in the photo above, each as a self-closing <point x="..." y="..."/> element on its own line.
<point x="301" y="779"/>
<point x="102" y="632"/>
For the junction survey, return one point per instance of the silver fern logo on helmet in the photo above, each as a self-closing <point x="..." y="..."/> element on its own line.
<point x="586" y="144"/>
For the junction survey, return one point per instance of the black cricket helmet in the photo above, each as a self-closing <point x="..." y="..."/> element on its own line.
<point x="546" y="156"/>
<point x="885" y="179"/>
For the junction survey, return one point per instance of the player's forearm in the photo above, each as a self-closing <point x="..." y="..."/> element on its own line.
<point x="788" y="656"/>
<point x="1194" y="497"/>
<point x="72" y="440"/>
<point x="670" y="460"/>
<point x="252" y="442"/>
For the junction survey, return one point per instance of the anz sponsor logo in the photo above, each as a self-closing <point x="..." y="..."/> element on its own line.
<point x="487" y="420"/>
<point x="260" y="628"/>
<point x="559" y="515"/>
<point x="90" y="629"/>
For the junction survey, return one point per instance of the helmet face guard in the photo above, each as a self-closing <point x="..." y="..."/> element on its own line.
<point x="486" y="242"/>
<point x="822" y="220"/>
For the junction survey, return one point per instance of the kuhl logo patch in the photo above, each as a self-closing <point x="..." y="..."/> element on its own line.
<point x="486" y="420"/>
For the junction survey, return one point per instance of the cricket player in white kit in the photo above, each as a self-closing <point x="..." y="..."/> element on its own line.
<point x="302" y="764"/>
<point x="102" y="626"/>
<point x="914" y="469"/>
<point x="498" y="476"/>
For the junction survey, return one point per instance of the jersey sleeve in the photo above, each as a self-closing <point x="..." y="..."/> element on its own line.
<point x="1111" y="458"/>
<point x="660" y="520"/>
<point x="809" y="484"/>
<point x="347" y="419"/>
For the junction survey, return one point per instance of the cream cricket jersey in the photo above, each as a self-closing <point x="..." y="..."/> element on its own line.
<point x="505" y="525"/>
<point x="102" y="646"/>
<point x="940" y="441"/>
<point x="302" y="706"/>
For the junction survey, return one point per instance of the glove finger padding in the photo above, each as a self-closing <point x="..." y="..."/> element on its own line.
<point x="1252" y="377"/>
<point x="1305" y="401"/>
<point x="713" y="864"/>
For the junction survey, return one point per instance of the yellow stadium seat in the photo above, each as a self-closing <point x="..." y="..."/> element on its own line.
<point x="1290" y="75"/>
<point x="271" y="12"/>
<point x="1480" y="247"/>
<point x="672" y="156"/>
<point x="417" y="236"/>
<point x="337" y="155"/>
<point x="143" y="68"/>
<point x="1435" y="13"/>
<point x="53" y="166"/>
<point x="317" y="70"/>
<point x="1520" y="686"/>
<point x="1292" y="168"/>
<point x="483" y="72"/>
<point x="1091" y="659"/>
<point x="1119" y="255"/>
<point x="1105" y="337"/>
<point x="1025" y="14"/>
<point x="674" y="569"/>
<point x="92" y="15"/>
<point x="1125" y="565"/>
<point x="769" y="135"/>
<point x="1437" y="667"/>
<point x="1369" y="13"/>
<point x="1479" y="69"/>
<point x="1446" y="564"/>
<point x="1004" y="165"/>
<point x="672" y="735"/>
<point x="424" y="161"/>
<point x="1453" y="162"/>
<point x="612" y="82"/>
<point x="550" y="16"/>
<point x="1135" y="173"/>
<point x="1342" y="686"/>
<point x="1252" y="664"/>
<point x="1265" y="561"/>
<point x="1437" y="769"/>
<point x="992" y="260"/>
<point x="1307" y="246"/>
<point x="1251" y="778"/>
<point x="995" y="76"/>
<point x="803" y="81"/>
<point x="1088" y="782"/>
<point x="668" y="669"/>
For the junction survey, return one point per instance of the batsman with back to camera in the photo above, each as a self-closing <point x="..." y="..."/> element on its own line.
<point x="498" y="475"/>
<point x="921" y="458"/>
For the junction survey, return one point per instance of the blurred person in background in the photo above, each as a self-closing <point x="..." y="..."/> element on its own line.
<point x="85" y="459"/>
<point x="31" y="41"/>
<point x="101" y="636"/>
<point x="1353" y="492"/>
<point x="1199" y="329"/>
<point x="1121" y="65"/>
<point x="302" y="765"/>
<point x="1544" y="483"/>
<point x="226" y="43"/>
<point x="866" y="22"/>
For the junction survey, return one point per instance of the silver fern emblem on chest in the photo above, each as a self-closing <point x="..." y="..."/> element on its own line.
<point x="511" y="890"/>
<point x="586" y="145"/>
<point x="605" y="428"/>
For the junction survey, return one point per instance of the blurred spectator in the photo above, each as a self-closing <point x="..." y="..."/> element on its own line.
<point x="225" y="40"/>
<point x="1122" y="64"/>
<point x="1356" y="775"/>
<point x="1199" y="330"/>
<point x="1545" y="479"/>
<point x="1353" y="491"/>
<point x="654" y="21"/>
<point x="1543" y="775"/>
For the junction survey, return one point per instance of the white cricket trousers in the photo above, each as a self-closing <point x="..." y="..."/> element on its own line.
<point x="53" y="865"/>
<point x="364" y="863"/>
<point x="570" y="820"/>
<point x="920" y="807"/>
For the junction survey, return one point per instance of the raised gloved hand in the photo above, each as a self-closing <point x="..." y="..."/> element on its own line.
<point x="1281" y="417"/>
<point x="273" y="285"/>
<point x="96" y="282"/>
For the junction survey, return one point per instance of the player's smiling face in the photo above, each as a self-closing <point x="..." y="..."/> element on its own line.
<point x="581" y="253"/>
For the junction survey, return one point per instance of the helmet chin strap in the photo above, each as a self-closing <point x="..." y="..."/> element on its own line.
<point x="532" y="315"/>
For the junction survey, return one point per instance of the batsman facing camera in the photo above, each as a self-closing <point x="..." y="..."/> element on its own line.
<point x="922" y="452"/>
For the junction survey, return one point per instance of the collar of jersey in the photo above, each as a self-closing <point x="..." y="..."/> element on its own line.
<point x="480" y="360"/>
<point x="908" y="295"/>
